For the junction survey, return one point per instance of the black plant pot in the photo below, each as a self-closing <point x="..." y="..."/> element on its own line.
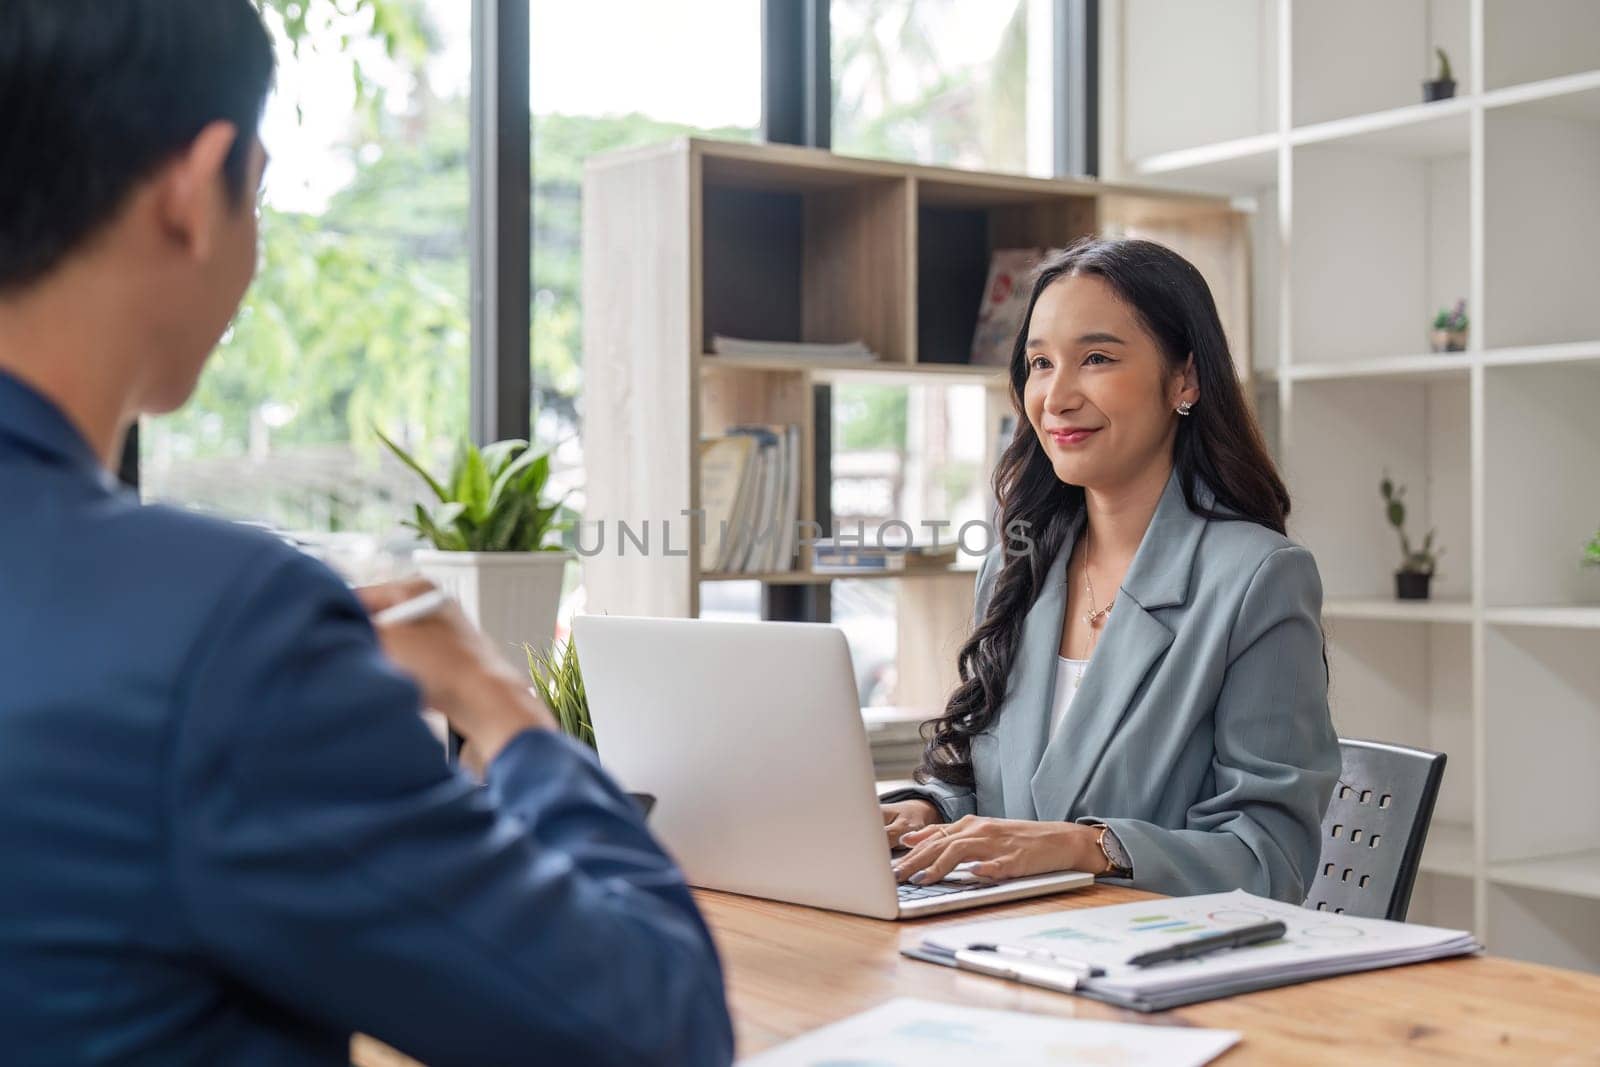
<point x="1438" y="90"/>
<point x="646" y="801"/>
<point x="1409" y="585"/>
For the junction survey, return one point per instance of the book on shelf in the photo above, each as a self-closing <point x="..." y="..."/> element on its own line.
<point x="750" y="493"/>
<point x="723" y="462"/>
<point x="1005" y="301"/>
<point x="779" y="351"/>
<point x="831" y="555"/>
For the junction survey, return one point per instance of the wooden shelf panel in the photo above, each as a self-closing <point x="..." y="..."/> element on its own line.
<point x="824" y="577"/>
<point x="1436" y="366"/>
<point x="1574" y="873"/>
<point x="1450" y="611"/>
<point x="860" y="370"/>
<point x="1419" y="368"/>
<point x="1540" y="355"/>
<point x="1442" y="128"/>
<point x="1580" y="616"/>
<point x="1569" y="96"/>
<point x="1242" y="165"/>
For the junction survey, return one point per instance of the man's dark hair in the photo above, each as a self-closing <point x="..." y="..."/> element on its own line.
<point x="97" y="94"/>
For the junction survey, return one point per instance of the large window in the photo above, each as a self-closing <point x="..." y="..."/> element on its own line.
<point x="665" y="70"/>
<point x="359" y="315"/>
<point x="950" y="82"/>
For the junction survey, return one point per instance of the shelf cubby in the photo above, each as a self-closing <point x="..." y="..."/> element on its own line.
<point x="1539" y="240"/>
<point x="820" y="256"/>
<point x="1410" y="683"/>
<point x="1557" y="929"/>
<point x="958" y="226"/>
<point x="1341" y="437"/>
<point x="1541" y="443"/>
<point x="1541" y="757"/>
<point x="1381" y="241"/>
<point x="1394" y="40"/>
<point x="1551" y="39"/>
<point x="1224" y="53"/>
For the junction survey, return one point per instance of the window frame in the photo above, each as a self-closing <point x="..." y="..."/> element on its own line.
<point x="796" y="108"/>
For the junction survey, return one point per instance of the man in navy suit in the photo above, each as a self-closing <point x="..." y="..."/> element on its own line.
<point x="227" y="836"/>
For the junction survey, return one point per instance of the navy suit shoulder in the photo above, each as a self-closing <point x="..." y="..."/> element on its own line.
<point x="234" y="841"/>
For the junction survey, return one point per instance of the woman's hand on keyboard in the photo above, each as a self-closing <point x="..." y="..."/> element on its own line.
<point x="997" y="849"/>
<point x="907" y="816"/>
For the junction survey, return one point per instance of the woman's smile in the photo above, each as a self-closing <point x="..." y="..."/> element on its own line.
<point x="1072" y="436"/>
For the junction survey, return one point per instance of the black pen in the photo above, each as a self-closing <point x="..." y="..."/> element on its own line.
<point x="1199" y="946"/>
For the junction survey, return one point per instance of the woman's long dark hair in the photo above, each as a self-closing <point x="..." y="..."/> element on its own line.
<point x="1218" y="443"/>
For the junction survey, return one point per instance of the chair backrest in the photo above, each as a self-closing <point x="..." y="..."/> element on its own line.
<point x="1373" y="833"/>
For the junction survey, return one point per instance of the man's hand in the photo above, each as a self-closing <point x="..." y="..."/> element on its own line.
<point x="460" y="673"/>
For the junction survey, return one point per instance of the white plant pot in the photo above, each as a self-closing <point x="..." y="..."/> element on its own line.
<point x="513" y="597"/>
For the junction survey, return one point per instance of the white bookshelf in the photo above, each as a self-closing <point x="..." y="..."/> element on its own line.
<point x="1371" y="210"/>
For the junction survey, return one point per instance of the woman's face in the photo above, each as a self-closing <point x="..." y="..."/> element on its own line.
<point x="1100" y="394"/>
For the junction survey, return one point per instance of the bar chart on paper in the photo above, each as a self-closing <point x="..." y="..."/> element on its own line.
<point x="1131" y="931"/>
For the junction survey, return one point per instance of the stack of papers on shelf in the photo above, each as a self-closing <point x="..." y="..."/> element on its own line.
<point x="1319" y="944"/>
<point x="797" y="350"/>
<point x="750" y="492"/>
<point x="923" y="1033"/>
<point x="895" y="735"/>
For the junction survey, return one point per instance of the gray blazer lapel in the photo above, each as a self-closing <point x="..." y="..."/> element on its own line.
<point x="1025" y="716"/>
<point x="1131" y="644"/>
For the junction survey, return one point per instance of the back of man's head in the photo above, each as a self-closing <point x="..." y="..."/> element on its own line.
<point x="95" y="95"/>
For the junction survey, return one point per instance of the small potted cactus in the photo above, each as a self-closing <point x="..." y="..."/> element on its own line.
<point x="1444" y="86"/>
<point x="1450" y="329"/>
<point x="1415" y="574"/>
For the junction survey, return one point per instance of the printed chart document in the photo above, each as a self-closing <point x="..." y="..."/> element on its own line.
<point x="1318" y="944"/>
<point x="926" y="1033"/>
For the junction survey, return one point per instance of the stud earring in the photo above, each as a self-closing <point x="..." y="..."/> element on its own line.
<point x="1184" y="407"/>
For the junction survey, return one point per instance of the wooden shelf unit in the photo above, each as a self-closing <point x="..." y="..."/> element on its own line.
<point x="1373" y="210"/>
<point x="693" y="238"/>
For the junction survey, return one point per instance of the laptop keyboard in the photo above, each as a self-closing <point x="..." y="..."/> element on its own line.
<point x="940" y="888"/>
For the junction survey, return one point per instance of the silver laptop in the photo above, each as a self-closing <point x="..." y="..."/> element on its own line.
<point x="749" y="735"/>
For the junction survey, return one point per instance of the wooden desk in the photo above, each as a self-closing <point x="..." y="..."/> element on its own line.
<point x="793" y="969"/>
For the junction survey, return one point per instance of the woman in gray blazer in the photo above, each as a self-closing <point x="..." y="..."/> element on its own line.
<point x="1145" y="693"/>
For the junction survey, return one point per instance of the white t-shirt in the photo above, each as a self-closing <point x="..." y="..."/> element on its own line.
<point x="1068" y="672"/>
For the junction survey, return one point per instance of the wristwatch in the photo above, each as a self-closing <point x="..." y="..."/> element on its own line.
<point x="1115" y="854"/>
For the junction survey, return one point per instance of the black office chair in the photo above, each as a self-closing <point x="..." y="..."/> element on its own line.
<point x="1376" y="825"/>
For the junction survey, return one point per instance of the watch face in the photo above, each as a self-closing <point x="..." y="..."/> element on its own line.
<point x="1115" y="852"/>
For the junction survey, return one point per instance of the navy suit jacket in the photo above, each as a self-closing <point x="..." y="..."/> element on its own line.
<point x="227" y="836"/>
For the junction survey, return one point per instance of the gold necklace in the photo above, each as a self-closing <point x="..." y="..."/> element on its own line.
<point x="1095" y="615"/>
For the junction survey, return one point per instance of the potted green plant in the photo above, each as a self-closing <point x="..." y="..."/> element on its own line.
<point x="1417" y="566"/>
<point x="1450" y="329"/>
<point x="558" y="681"/>
<point x="1591" y="564"/>
<point x="1442" y="87"/>
<point x="493" y="537"/>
